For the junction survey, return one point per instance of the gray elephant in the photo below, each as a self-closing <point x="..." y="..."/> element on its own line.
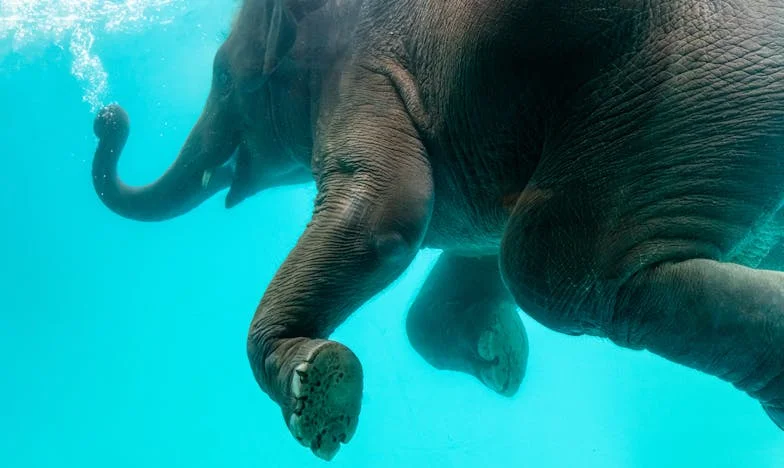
<point x="618" y="165"/>
<point x="463" y="319"/>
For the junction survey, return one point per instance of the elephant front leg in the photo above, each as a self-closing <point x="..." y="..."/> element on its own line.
<point x="371" y="212"/>
<point x="464" y="319"/>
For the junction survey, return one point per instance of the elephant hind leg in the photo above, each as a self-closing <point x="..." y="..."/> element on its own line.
<point x="720" y="318"/>
<point x="670" y="295"/>
<point x="465" y="320"/>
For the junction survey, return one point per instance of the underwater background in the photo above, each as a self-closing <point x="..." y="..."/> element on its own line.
<point x="122" y="343"/>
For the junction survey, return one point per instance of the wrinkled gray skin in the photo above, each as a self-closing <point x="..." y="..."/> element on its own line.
<point x="621" y="159"/>
<point x="255" y="133"/>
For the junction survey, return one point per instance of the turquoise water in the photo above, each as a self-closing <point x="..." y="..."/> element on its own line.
<point x="122" y="344"/>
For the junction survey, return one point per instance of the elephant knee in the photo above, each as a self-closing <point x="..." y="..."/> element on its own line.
<point x="393" y="249"/>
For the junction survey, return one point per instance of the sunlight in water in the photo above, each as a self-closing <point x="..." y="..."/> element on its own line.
<point x="72" y="24"/>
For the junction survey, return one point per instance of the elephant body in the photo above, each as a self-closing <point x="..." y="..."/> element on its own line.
<point x="613" y="168"/>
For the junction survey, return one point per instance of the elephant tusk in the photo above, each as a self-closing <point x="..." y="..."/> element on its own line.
<point x="205" y="178"/>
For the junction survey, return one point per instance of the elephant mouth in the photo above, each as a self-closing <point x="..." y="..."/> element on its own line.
<point x="222" y="175"/>
<point x="233" y="174"/>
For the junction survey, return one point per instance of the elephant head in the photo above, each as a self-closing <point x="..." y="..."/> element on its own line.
<point x="254" y="131"/>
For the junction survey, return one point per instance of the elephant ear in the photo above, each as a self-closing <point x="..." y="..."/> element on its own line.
<point x="264" y="33"/>
<point x="281" y="34"/>
<point x="281" y="18"/>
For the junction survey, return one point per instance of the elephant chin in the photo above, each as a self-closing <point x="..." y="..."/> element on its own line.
<point x="201" y="169"/>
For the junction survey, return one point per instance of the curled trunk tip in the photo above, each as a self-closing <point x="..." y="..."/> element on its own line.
<point x="111" y="122"/>
<point x="196" y="174"/>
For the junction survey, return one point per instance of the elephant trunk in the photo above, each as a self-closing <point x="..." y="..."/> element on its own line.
<point x="198" y="172"/>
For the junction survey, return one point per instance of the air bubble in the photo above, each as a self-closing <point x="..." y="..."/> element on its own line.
<point x="32" y="25"/>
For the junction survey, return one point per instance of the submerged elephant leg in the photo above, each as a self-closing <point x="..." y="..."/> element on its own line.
<point x="629" y="226"/>
<point x="464" y="319"/>
<point x="640" y="259"/>
<point x="668" y="294"/>
<point x="720" y="318"/>
<point x="372" y="209"/>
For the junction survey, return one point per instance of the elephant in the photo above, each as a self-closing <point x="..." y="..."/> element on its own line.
<point x="614" y="169"/>
<point x="239" y="144"/>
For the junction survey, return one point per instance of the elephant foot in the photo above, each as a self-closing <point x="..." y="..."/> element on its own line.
<point x="484" y="339"/>
<point x="775" y="414"/>
<point x="503" y="349"/>
<point x="326" y="390"/>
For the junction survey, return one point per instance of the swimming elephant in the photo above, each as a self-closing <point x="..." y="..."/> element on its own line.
<point x="617" y="164"/>
<point x="251" y="136"/>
